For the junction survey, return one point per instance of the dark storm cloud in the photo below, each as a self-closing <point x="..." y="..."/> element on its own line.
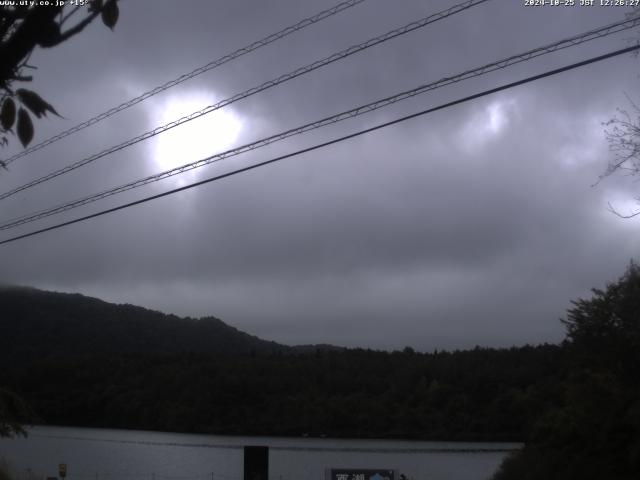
<point x="475" y="225"/>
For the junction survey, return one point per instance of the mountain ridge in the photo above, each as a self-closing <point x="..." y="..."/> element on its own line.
<point x="38" y="324"/>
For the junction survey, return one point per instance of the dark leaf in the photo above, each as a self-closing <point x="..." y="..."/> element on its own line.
<point x="110" y="13"/>
<point x="25" y="127"/>
<point x="8" y="114"/>
<point x="95" y="6"/>
<point x="35" y="103"/>
<point x="49" y="34"/>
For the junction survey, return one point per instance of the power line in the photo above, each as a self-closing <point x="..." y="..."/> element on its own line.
<point x="187" y="76"/>
<point x="354" y="112"/>
<point x="330" y="142"/>
<point x="423" y="22"/>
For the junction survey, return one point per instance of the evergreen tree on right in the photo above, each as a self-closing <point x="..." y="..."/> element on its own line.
<point x="593" y="432"/>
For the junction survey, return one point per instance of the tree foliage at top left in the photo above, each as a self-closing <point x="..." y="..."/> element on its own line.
<point x="22" y="29"/>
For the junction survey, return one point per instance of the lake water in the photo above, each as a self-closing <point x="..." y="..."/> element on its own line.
<point x="100" y="454"/>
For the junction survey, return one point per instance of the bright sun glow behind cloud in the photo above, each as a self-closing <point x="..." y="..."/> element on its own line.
<point x="205" y="136"/>
<point x="497" y="117"/>
<point x="486" y="124"/>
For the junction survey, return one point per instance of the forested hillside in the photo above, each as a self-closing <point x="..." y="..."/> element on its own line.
<point x="81" y="361"/>
<point x="36" y="325"/>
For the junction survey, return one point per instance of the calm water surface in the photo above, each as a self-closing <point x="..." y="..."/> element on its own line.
<point x="100" y="454"/>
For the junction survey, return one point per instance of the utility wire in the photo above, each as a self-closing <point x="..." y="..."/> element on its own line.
<point x="254" y="90"/>
<point x="501" y="64"/>
<point x="187" y="76"/>
<point x="330" y="142"/>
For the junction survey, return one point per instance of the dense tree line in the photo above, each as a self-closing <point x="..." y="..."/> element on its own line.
<point x="481" y="394"/>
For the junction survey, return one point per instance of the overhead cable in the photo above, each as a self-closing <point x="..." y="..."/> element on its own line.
<point x="354" y="112"/>
<point x="325" y="144"/>
<point x="254" y="90"/>
<point x="187" y="76"/>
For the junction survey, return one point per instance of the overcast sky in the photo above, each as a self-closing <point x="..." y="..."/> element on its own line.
<point x="475" y="225"/>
